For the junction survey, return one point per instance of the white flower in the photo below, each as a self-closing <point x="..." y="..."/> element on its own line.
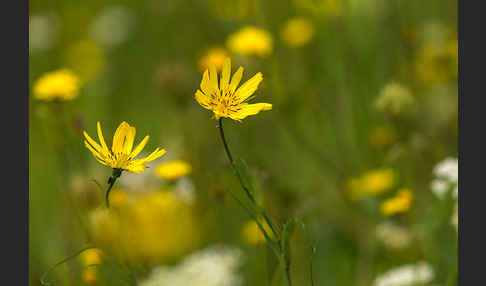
<point x="43" y="31"/>
<point x="214" y="266"/>
<point x="446" y="177"/>
<point x="113" y="25"/>
<point x="393" y="235"/>
<point x="410" y="274"/>
<point x="447" y="169"/>
<point x="184" y="189"/>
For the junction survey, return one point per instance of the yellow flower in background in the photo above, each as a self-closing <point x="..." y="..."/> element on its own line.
<point x="214" y="56"/>
<point x="249" y="41"/>
<point x="118" y="197"/>
<point x="437" y="63"/>
<point x="121" y="155"/>
<point x="90" y="275"/>
<point x="61" y="84"/>
<point x="91" y="256"/>
<point x="224" y="99"/>
<point x="381" y="136"/>
<point x="149" y="228"/>
<point x="398" y="204"/>
<point x="394" y="98"/>
<point x="173" y="170"/>
<point x="86" y="58"/>
<point x="297" y="32"/>
<point x="377" y="182"/>
<point x="251" y="233"/>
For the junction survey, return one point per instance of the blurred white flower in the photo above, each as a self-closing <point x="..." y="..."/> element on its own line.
<point x="393" y="235"/>
<point x="184" y="189"/>
<point x="410" y="274"/>
<point x="446" y="176"/>
<point x="113" y="25"/>
<point x="213" y="266"/>
<point x="43" y="31"/>
<point x="395" y="99"/>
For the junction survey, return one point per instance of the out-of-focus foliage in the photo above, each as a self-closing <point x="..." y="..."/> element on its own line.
<point x="360" y="144"/>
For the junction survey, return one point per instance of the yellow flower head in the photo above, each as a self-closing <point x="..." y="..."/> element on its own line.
<point x="214" y="56"/>
<point x="62" y="84"/>
<point x="437" y="63"/>
<point x="251" y="233"/>
<point x="250" y="40"/>
<point x="376" y="182"/>
<point x="173" y="170"/>
<point x="224" y="99"/>
<point x="121" y="155"/>
<point x="398" y="204"/>
<point x="90" y="276"/>
<point x="91" y="256"/>
<point x="297" y="32"/>
<point x="152" y="227"/>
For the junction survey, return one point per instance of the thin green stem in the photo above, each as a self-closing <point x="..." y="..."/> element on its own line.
<point x="111" y="181"/>
<point x="42" y="280"/>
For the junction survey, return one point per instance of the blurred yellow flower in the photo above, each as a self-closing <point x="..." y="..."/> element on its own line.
<point x="86" y="58"/>
<point x="90" y="275"/>
<point x="61" y="84"/>
<point x="224" y="99"/>
<point x="398" y="204"/>
<point x="91" y="256"/>
<point x="148" y="228"/>
<point x="250" y="40"/>
<point x="121" y="155"/>
<point x="173" y="170"/>
<point x="297" y="32"/>
<point x="394" y="98"/>
<point x="214" y="56"/>
<point x="118" y="197"/>
<point x="378" y="181"/>
<point x="251" y="233"/>
<point x="381" y="136"/>
<point x="437" y="63"/>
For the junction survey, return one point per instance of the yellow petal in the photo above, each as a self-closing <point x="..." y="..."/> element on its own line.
<point x="130" y="137"/>
<point x="119" y="137"/>
<point x="213" y="79"/>
<point x="136" y="167"/>
<point x="203" y="99"/>
<point x="140" y="147"/>
<point x="93" y="143"/>
<point x="235" y="80"/>
<point x="250" y="109"/>
<point x="225" y="75"/>
<point x="205" y="83"/>
<point x="100" y="137"/>
<point x="97" y="155"/>
<point x="248" y="88"/>
<point x="156" y="154"/>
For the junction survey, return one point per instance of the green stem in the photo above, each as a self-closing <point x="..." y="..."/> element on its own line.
<point x="42" y="280"/>
<point x="111" y="181"/>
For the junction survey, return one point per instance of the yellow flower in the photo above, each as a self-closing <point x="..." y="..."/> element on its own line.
<point x="250" y="40"/>
<point x="121" y="155"/>
<point x="214" y="56"/>
<point x="224" y="99"/>
<point x="251" y="233"/>
<point x="149" y="228"/>
<point x="297" y="32"/>
<point x="398" y="204"/>
<point x="376" y="182"/>
<point x="118" y="197"/>
<point x="437" y="63"/>
<point x="61" y="84"/>
<point x="173" y="170"/>
<point x="90" y="276"/>
<point x="91" y="256"/>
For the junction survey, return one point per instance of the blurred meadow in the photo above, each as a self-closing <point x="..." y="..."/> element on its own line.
<point x="359" y="147"/>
